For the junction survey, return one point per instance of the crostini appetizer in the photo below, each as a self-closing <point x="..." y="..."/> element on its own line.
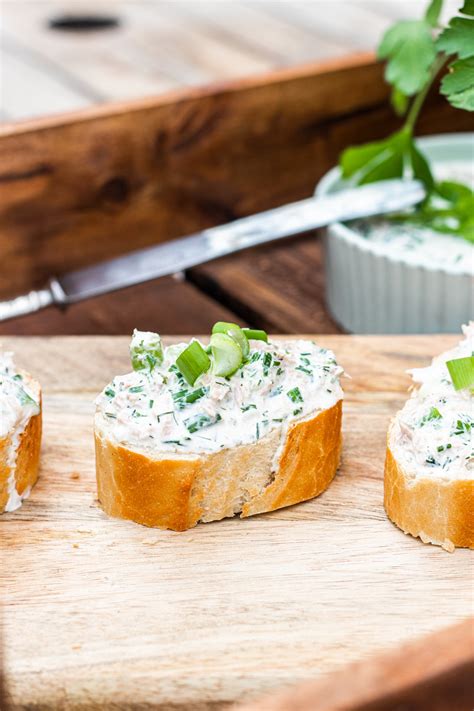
<point x="198" y="433"/>
<point x="429" y="487"/>
<point x="20" y="433"/>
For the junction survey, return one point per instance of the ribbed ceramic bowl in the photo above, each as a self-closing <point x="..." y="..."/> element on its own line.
<point x="371" y="291"/>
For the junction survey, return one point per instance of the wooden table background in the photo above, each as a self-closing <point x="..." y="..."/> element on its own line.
<point x="165" y="44"/>
<point x="161" y="45"/>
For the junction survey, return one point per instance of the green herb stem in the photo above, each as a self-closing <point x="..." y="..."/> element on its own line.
<point x="419" y="99"/>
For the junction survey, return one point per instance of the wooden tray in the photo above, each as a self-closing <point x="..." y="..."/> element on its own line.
<point x="100" y="613"/>
<point x="80" y="188"/>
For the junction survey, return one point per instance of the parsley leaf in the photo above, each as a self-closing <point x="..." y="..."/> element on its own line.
<point x="458" y="84"/>
<point x="391" y="158"/>
<point x="410" y="50"/>
<point x="458" y="39"/>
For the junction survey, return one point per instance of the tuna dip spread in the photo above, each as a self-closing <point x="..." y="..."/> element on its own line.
<point x="193" y="399"/>
<point x="433" y="433"/>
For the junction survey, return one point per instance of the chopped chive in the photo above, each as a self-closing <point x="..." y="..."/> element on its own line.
<point x="267" y="362"/>
<point x="434" y="414"/>
<point x="196" y="394"/>
<point x="18" y="377"/>
<point x="304" y="370"/>
<point x="298" y="411"/>
<point x="462" y="427"/>
<point x="440" y="448"/>
<point x="136" y="389"/>
<point x="198" y="422"/>
<point x="151" y="403"/>
<point x="295" y="395"/>
<point x="244" y="408"/>
<point x="461" y="371"/>
<point x="109" y="392"/>
<point x="193" y="362"/>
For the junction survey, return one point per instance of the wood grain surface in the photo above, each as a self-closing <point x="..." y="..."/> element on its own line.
<point x="105" y="613"/>
<point x="157" y="45"/>
<point x="94" y="185"/>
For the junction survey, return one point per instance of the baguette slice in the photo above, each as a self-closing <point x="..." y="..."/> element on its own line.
<point x="20" y="449"/>
<point x="178" y="492"/>
<point x="428" y="483"/>
<point x="169" y="454"/>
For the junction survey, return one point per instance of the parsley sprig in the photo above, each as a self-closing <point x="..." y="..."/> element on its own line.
<point x="415" y="52"/>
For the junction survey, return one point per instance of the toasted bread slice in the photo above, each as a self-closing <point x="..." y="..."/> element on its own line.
<point x="20" y="448"/>
<point x="178" y="492"/>
<point x="429" y="467"/>
<point x="170" y="454"/>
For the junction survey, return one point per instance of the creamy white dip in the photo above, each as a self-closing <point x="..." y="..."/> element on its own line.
<point x="282" y="381"/>
<point x="19" y="401"/>
<point x="420" y="245"/>
<point x="433" y="435"/>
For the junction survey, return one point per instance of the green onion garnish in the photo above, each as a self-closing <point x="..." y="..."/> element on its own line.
<point x="461" y="371"/>
<point x="227" y="354"/>
<point x="146" y="351"/>
<point x="235" y="332"/>
<point x="254" y="334"/>
<point x="193" y="362"/>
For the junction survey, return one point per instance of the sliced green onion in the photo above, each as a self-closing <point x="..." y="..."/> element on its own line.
<point x="235" y="332"/>
<point x="193" y="362"/>
<point x="146" y="350"/>
<point x="254" y="334"/>
<point x="461" y="371"/>
<point x="227" y="354"/>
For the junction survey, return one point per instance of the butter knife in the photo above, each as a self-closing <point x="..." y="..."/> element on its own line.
<point x="179" y="254"/>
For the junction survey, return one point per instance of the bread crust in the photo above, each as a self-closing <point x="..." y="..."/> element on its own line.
<point x="437" y="511"/>
<point x="27" y="459"/>
<point x="178" y="493"/>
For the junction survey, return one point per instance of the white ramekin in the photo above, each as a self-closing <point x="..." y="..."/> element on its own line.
<point x="370" y="291"/>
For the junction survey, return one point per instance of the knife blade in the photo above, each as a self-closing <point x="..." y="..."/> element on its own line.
<point x="180" y="254"/>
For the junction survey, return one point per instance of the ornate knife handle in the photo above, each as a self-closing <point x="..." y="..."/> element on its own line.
<point x="33" y="301"/>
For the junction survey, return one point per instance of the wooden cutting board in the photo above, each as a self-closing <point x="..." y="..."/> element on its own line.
<point x="99" y="612"/>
